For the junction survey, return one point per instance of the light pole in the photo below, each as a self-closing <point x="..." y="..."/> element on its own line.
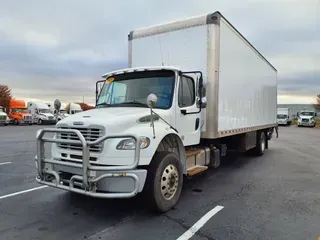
<point x="83" y="97"/>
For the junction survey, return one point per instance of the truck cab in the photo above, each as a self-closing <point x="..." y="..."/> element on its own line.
<point x="143" y="120"/>
<point x="18" y="112"/>
<point x="306" y="118"/>
<point x="41" y="113"/>
<point x="4" y="119"/>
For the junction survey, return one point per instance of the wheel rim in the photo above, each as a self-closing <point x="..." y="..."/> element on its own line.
<point x="263" y="142"/>
<point x="169" y="182"/>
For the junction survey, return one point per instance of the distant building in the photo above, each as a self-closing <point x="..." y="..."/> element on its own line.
<point x="298" y="107"/>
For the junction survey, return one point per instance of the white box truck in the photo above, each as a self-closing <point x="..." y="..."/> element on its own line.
<point x="154" y="125"/>
<point x="284" y="116"/>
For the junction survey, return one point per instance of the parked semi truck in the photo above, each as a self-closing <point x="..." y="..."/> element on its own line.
<point x="41" y="113"/>
<point x="208" y="92"/>
<point x="306" y="118"/>
<point x="284" y="116"/>
<point x="18" y="112"/>
<point x="4" y="119"/>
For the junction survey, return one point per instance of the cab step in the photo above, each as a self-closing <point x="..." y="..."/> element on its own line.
<point x="196" y="169"/>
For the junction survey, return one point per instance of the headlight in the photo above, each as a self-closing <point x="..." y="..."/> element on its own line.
<point x="129" y="144"/>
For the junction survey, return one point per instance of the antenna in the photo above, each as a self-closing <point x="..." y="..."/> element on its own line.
<point x="160" y="49"/>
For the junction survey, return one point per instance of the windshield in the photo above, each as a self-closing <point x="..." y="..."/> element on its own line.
<point x="1" y="110"/>
<point x="135" y="87"/>
<point x="282" y="116"/>
<point x="306" y="113"/>
<point x="20" y="110"/>
<point x="44" y="111"/>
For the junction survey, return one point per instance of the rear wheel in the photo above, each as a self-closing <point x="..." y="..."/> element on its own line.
<point x="164" y="181"/>
<point x="40" y="121"/>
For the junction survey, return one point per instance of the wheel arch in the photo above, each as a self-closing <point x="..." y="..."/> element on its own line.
<point x="173" y="143"/>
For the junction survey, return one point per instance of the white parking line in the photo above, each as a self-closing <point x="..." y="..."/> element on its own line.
<point x="4" y="163"/>
<point x="188" y="234"/>
<point x="21" y="192"/>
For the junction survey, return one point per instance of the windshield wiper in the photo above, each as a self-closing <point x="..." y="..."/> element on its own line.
<point x="103" y="104"/>
<point x="135" y="103"/>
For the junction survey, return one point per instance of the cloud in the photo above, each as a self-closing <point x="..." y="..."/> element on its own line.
<point x="60" y="48"/>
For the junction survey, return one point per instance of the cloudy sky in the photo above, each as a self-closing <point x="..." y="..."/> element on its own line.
<point x="58" y="49"/>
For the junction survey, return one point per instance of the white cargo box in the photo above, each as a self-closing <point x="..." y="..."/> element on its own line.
<point x="241" y="83"/>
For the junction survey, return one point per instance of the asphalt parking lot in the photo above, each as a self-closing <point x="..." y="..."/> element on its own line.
<point x="276" y="196"/>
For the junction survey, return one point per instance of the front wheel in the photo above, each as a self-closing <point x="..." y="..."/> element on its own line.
<point x="164" y="181"/>
<point x="261" y="144"/>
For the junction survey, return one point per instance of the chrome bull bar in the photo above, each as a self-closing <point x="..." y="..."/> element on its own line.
<point x="86" y="179"/>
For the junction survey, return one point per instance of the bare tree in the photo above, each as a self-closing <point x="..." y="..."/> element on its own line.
<point x="5" y="97"/>
<point x="317" y="105"/>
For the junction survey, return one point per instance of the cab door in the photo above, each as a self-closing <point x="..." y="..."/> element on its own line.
<point x="188" y="113"/>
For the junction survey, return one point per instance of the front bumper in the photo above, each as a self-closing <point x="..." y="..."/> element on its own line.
<point x="25" y="121"/>
<point x="307" y="124"/>
<point x="47" y="121"/>
<point x="85" y="178"/>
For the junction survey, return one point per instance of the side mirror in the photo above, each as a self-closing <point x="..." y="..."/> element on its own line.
<point x="99" y="86"/>
<point x="152" y="100"/>
<point x="203" y="101"/>
<point x="57" y="104"/>
<point x="315" y="114"/>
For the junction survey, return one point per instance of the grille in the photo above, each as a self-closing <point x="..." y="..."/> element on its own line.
<point x="27" y="118"/>
<point x="90" y="134"/>
<point x="3" y="118"/>
<point x="305" y="120"/>
<point x="50" y="118"/>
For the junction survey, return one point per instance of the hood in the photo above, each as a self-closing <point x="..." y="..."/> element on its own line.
<point x="306" y="117"/>
<point x="47" y="114"/>
<point x="22" y="114"/>
<point x="113" y="118"/>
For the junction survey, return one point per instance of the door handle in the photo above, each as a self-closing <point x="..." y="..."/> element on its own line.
<point x="197" y="123"/>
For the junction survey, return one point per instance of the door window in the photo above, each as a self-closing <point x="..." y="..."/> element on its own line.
<point x="186" y="95"/>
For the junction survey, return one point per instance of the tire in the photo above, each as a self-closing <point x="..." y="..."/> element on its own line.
<point x="165" y="169"/>
<point x="40" y="122"/>
<point x="6" y="124"/>
<point x="16" y="122"/>
<point x="261" y="144"/>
